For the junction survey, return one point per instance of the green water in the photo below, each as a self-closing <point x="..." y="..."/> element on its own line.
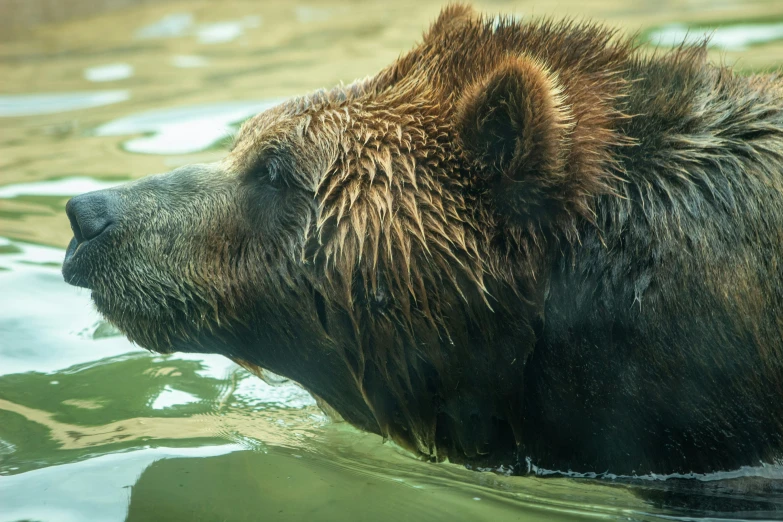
<point x="94" y="429"/>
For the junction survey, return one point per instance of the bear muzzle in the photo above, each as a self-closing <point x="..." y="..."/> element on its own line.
<point x="92" y="216"/>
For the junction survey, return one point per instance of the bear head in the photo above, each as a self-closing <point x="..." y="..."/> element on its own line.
<point x="385" y="243"/>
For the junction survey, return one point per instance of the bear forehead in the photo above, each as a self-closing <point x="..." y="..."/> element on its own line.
<point x="307" y="125"/>
<point x="436" y="71"/>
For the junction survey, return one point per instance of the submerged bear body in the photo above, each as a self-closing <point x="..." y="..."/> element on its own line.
<point x="521" y="244"/>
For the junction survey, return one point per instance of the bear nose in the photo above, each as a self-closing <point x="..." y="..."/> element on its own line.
<point x="92" y="213"/>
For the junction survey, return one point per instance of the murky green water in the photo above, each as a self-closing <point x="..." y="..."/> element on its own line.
<point x="93" y="429"/>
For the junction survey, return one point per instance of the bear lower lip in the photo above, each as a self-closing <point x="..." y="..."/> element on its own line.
<point x="72" y="273"/>
<point x="75" y="279"/>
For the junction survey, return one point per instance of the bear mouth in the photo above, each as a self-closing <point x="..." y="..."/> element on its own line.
<point x="71" y="273"/>
<point x="77" y="266"/>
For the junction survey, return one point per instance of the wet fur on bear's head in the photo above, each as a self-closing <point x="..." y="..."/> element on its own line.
<point x="390" y="244"/>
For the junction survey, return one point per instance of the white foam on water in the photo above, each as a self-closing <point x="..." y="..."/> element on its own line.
<point x="183" y="130"/>
<point x="730" y="38"/>
<point x="109" y="73"/>
<point x="60" y="187"/>
<point x="16" y="105"/>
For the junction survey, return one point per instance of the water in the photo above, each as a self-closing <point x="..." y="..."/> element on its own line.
<point x="93" y="428"/>
<point x="730" y="37"/>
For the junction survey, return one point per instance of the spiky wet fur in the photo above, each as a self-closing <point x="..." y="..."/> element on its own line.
<point x="589" y="280"/>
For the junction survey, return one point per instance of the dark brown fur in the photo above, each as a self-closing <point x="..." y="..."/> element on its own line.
<point x="520" y="244"/>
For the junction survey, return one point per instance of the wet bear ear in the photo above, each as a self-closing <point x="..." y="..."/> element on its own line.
<point x="514" y="125"/>
<point x="451" y="17"/>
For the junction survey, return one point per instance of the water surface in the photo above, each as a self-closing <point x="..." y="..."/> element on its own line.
<point x="93" y="428"/>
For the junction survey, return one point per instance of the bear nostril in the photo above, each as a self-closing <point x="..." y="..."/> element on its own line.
<point x="91" y="214"/>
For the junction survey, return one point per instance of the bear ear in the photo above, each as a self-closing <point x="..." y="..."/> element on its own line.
<point x="514" y="125"/>
<point x="451" y="17"/>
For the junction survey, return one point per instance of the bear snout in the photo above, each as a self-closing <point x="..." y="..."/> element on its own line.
<point x="91" y="215"/>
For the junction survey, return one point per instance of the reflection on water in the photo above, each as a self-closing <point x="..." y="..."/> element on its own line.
<point x="182" y="24"/>
<point x="188" y="61"/>
<point x="34" y="104"/>
<point x="182" y="130"/>
<point x="170" y="26"/>
<point x="40" y="318"/>
<point x="170" y="397"/>
<point x="734" y="37"/>
<point x="93" y="428"/>
<point x="95" y="489"/>
<point x="109" y="72"/>
<point x="56" y="187"/>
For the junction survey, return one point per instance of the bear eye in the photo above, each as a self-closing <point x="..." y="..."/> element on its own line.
<point x="271" y="171"/>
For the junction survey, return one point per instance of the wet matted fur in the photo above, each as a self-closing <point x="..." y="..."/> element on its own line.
<point x="522" y="243"/>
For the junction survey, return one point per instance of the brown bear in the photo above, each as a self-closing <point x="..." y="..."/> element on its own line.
<point x="522" y="244"/>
